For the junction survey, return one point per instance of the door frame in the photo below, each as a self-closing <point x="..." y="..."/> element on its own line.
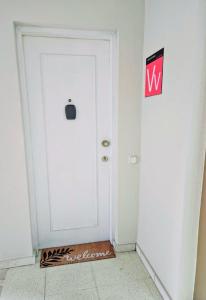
<point x="21" y="30"/>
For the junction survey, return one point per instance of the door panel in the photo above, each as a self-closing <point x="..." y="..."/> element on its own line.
<point x="71" y="181"/>
<point x="66" y="140"/>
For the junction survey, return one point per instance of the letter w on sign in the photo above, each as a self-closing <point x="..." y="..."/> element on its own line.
<point x="154" y="74"/>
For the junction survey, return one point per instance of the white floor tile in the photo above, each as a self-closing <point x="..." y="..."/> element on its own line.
<point x="153" y="290"/>
<point x="3" y="274"/>
<point x="128" y="291"/>
<point x="118" y="271"/>
<point x="90" y="294"/>
<point x="68" y="278"/>
<point x="123" y="278"/>
<point x="24" y="283"/>
<point x="2" y="282"/>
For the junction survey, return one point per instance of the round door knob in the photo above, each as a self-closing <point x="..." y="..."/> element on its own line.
<point x="105" y="143"/>
<point x="105" y="158"/>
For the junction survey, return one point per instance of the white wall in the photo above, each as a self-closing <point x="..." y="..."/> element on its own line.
<point x="127" y="18"/>
<point x="171" y="144"/>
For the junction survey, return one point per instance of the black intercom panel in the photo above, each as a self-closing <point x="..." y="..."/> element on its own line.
<point x="70" y="111"/>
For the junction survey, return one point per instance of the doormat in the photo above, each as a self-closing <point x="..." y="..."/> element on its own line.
<point x="57" y="256"/>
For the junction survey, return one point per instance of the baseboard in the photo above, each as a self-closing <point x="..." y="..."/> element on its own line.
<point x="17" y="262"/>
<point x="165" y="295"/>
<point x="124" y="247"/>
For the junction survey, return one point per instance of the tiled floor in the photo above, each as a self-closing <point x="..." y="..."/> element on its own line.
<point x="2" y="279"/>
<point x="121" y="278"/>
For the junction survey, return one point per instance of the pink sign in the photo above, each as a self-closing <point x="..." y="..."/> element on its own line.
<point x="154" y="74"/>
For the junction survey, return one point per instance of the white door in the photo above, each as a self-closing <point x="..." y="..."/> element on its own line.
<point x="72" y="182"/>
